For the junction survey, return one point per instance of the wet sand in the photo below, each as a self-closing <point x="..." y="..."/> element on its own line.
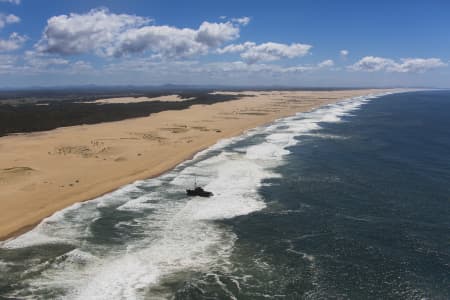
<point x="43" y="172"/>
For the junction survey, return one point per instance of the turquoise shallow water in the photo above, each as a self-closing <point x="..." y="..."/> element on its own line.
<point x="349" y="201"/>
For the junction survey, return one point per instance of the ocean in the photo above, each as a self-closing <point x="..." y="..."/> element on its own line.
<point x="348" y="201"/>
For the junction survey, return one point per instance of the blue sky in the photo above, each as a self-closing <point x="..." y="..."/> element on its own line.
<point x="297" y="43"/>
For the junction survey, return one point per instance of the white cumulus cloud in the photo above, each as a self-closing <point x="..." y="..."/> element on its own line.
<point x="79" y="33"/>
<point x="104" y="33"/>
<point x="243" y="21"/>
<point x="7" y="63"/>
<point x="326" y="64"/>
<point x="11" y="1"/>
<point x="344" y="53"/>
<point x="274" y="51"/>
<point x="236" y="48"/>
<point x="405" y="65"/>
<point x="252" y="53"/>
<point x="419" y="65"/>
<point x="40" y="61"/>
<point x="242" y="67"/>
<point x="372" y="64"/>
<point x="14" y="42"/>
<point x="164" y="41"/>
<point x="8" y="19"/>
<point x="215" y="34"/>
<point x="299" y="69"/>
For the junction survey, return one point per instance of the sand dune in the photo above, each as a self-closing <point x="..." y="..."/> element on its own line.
<point x="168" y="98"/>
<point x="43" y="173"/>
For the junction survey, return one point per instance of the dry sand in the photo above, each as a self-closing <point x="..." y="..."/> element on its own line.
<point x="43" y="172"/>
<point x="167" y="98"/>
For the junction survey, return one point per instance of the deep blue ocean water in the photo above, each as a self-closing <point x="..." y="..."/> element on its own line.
<point x="365" y="212"/>
<point x="350" y="201"/>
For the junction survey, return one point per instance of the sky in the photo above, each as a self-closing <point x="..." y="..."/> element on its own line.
<point x="304" y="43"/>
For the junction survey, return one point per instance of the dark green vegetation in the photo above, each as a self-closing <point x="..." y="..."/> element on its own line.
<point x="88" y="93"/>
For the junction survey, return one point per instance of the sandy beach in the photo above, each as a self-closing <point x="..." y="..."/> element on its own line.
<point x="43" y="172"/>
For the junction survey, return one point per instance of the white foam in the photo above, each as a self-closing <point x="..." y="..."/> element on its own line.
<point x="79" y="257"/>
<point x="183" y="244"/>
<point x="142" y="202"/>
<point x="5" y="266"/>
<point x="266" y="151"/>
<point x="235" y="186"/>
<point x="118" y="196"/>
<point x="51" y="230"/>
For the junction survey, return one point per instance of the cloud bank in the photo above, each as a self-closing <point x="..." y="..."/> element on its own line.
<point x="253" y="53"/>
<point x="405" y="65"/>
<point x="100" y="42"/>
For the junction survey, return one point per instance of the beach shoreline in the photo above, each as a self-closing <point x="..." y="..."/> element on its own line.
<point x="44" y="172"/>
